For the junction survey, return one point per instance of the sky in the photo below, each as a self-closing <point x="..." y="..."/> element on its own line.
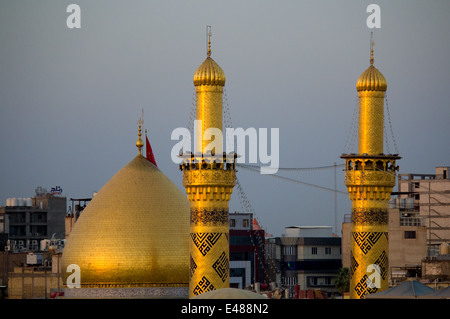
<point x="70" y="99"/>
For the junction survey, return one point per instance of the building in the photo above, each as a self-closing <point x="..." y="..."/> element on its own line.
<point x="437" y="268"/>
<point x="307" y="257"/>
<point x="209" y="178"/>
<point x="430" y="194"/>
<point x="407" y="242"/>
<point x="39" y="277"/>
<point x="370" y="178"/>
<point x="32" y="229"/>
<point x="32" y="274"/>
<point x="246" y="252"/>
<point x="74" y="212"/>
<point x="27" y="221"/>
<point x="132" y="239"/>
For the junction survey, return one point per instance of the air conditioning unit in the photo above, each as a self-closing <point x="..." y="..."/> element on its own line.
<point x="10" y="245"/>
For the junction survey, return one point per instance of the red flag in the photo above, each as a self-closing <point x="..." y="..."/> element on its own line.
<point x="150" y="155"/>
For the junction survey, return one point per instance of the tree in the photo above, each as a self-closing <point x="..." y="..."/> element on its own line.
<point x="343" y="280"/>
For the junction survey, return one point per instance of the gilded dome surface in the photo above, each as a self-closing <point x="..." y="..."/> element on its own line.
<point x="371" y="80"/>
<point x="133" y="233"/>
<point x="209" y="73"/>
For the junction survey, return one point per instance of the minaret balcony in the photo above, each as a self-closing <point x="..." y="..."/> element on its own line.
<point x="370" y="170"/>
<point x="210" y="171"/>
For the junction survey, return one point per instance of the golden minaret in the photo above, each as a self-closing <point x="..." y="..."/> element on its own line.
<point x="209" y="182"/>
<point x="370" y="178"/>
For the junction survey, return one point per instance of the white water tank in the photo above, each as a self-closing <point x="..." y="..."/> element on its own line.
<point x="45" y="244"/>
<point x="28" y="202"/>
<point x="13" y="201"/>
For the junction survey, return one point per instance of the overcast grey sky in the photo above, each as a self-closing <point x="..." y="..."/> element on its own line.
<point x="70" y="98"/>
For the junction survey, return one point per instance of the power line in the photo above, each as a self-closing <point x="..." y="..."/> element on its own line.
<point x="292" y="168"/>
<point x="256" y="169"/>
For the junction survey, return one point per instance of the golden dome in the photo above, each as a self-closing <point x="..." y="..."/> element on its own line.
<point x="371" y="79"/>
<point x="134" y="232"/>
<point x="209" y="73"/>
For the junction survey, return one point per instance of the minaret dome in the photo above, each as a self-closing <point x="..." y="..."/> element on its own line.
<point x="371" y="79"/>
<point x="209" y="73"/>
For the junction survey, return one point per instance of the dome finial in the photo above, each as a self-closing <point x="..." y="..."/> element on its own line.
<point x="208" y="30"/>
<point x="371" y="79"/>
<point x="372" y="43"/>
<point x="209" y="72"/>
<point x="139" y="142"/>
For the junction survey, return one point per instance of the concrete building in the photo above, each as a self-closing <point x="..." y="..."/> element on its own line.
<point x="27" y="221"/>
<point x="25" y="274"/>
<point x="431" y="195"/>
<point x="246" y="251"/>
<point x="407" y="241"/>
<point x="306" y="256"/>
<point x="38" y="278"/>
<point x="77" y="205"/>
<point x="437" y="268"/>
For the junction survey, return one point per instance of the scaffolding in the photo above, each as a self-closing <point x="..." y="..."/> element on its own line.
<point x="431" y="196"/>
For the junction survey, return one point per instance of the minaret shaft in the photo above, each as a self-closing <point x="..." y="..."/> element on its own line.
<point x="209" y="110"/>
<point x="371" y="122"/>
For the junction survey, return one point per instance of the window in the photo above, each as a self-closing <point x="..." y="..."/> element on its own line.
<point x="245" y="222"/>
<point x="314" y="250"/>
<point x="290" y="281"/>
<point x="319" y="281"/>
<point x="232" y="222"/>
<point x="327" y="250"/>
<point x="312" y="281"/>
<point x="410" y="234"/>
<point x="289" y="250"/>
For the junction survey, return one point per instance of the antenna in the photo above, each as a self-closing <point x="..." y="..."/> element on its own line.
<point x="208" y="39"/>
